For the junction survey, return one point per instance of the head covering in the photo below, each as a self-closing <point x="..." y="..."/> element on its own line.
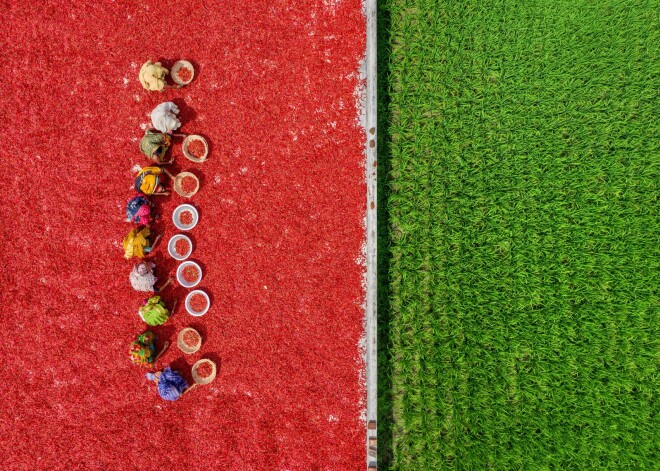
<point x="142" y="351"/>
<point x="170" y="384"/>
<point x="147" y="180"/>
<point x="138" y="209"/>
<point x="141" y="278"/>
<point x="153" y="311"/>
<point x="152" y="76"/>
<point x="136" y="241"/>
<point x="155" y="142"/>
<point x="164" y="118"/>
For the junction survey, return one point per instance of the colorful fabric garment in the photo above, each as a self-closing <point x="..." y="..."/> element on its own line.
<point x="148" y="179"/>
<point x="142" y="350"/>
<point x="155" y="143"/>
<point x="154" y="312"/>
<point x="142" y="277"/>
<point x="170" y="384"/>
<point x="136" y="243"/>
<point x="138" y="209"/>
<point x="152" y="76"/>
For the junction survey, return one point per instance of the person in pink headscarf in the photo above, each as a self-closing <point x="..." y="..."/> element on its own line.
<point x="138" y="210"/>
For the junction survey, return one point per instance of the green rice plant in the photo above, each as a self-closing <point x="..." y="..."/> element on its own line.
<point x="523" y="238"/>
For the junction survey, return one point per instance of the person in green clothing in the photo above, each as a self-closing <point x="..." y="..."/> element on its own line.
<point x="154" y="312"/>
<point x="155" y="144"/>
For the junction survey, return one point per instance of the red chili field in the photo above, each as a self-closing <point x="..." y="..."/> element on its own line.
<point x="280" y="236"/>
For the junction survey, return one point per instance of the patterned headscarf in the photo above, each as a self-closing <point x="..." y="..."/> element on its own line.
<point x="143" y="279"/>
<point x="152" y="141"/>
<point x="142" y="350"/>
<point x="138" y="209"/>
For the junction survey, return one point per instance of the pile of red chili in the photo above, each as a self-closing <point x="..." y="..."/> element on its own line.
<point x="182" y="247"/>
<point x="245" y="99"/>
<point x="188" y="185"/>
<point x="197" y="302"/>
<point x="184" y="74"/>
<point x="186" y="218"/>
<point x="204" y="370"/>
<point x="196" y="148"/>
<point x="191" y="338"/>
<point x="190" y="274"/>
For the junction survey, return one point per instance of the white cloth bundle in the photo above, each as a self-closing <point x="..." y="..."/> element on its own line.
<point x="164" y="118"/>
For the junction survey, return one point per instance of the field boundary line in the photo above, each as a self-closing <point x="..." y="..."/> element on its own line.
<point x="370" y="123"/>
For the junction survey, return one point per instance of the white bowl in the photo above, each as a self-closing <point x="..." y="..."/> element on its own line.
<point x="190" y="310"/>
<point x="179" y="274"/>
<point x="171" y="247"/>
<point x="177" y="212"/>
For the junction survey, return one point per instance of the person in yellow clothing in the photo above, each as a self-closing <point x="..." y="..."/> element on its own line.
<point x="152" y="77"/>
<point x="148" y="181"/>
<point x="137" y="243"/>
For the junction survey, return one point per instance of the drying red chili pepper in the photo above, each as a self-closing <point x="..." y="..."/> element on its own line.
<point x="186" y="218"/>
<point x="182" y="247"/>
<point x="197" y="302"/>
<point x="204" y="370"/>
<point x="184" y="74"/>
<point x="190" y="274"/>
<point x="188" y="185"/>
<point x="265" y="114"/>
<point x="197" y="148"/>
<point x="191" y="338"/>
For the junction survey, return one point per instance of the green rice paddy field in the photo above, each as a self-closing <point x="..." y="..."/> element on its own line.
<point x="519" y="160"/>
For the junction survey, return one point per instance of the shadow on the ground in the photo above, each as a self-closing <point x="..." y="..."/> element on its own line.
<point x="385" y="419"/>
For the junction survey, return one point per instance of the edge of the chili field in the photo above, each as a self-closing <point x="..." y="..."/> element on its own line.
<point x="368" y="119"/>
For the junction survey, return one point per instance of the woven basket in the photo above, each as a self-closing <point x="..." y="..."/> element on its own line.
<point x="188" y="140"/>
<point x="177" y="184"/>
<point x="174" y="72"/>
<point x="206" y="380"/>
<point x="183" y="346"/>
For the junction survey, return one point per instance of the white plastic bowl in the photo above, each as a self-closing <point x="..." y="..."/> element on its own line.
<point x="190" y="310"/>
<point x="179" y="274"/>
<point x="172" y="244"/>
<point x="177" y="212"/>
